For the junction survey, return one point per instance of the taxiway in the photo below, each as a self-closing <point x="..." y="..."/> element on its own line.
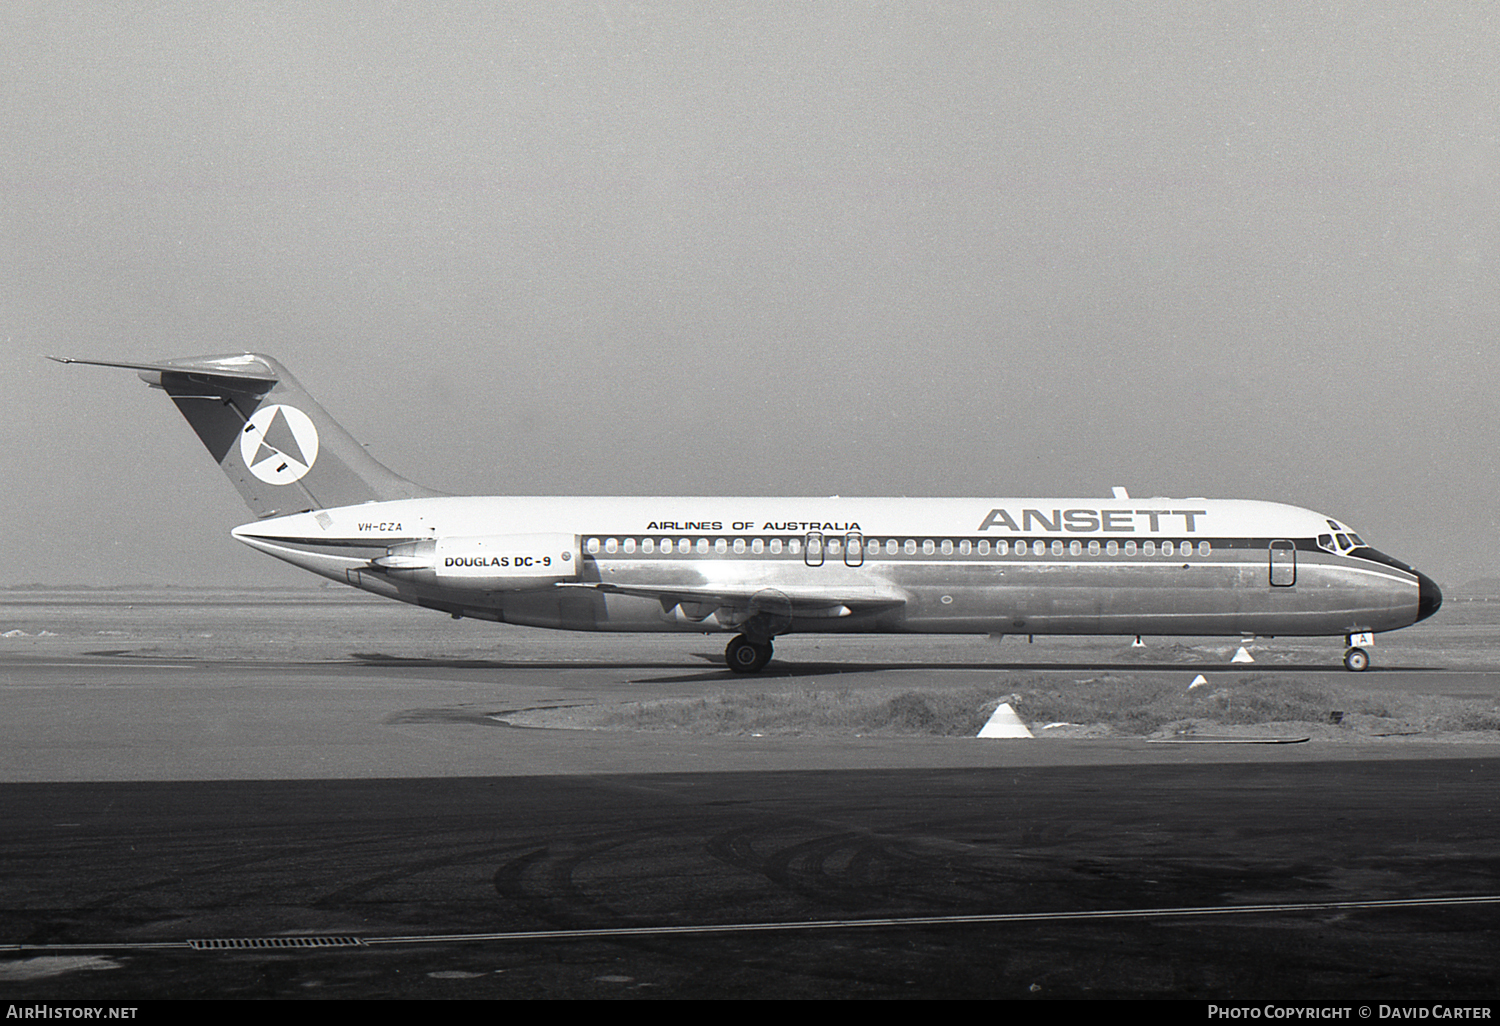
<point x="153" y="800"/>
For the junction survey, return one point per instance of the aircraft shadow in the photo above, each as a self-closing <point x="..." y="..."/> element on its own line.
<point x="792" y="670"/>
<point x="456" y="663"/>
<point x="782" y="669"/>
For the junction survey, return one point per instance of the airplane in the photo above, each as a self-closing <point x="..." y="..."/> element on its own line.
<point x="760" y="568"/>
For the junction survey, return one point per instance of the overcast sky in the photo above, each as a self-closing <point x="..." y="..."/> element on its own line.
<point x="1235" y="250"/>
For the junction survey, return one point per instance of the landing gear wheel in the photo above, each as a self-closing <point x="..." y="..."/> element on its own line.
<point x="1357" y="659"/>
<point x="746" y="656"/>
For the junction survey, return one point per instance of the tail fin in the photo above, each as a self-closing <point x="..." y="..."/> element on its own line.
<point x="280" y="448"/>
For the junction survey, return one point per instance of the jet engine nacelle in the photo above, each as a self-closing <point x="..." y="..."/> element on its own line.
<point x="495" y="562"/>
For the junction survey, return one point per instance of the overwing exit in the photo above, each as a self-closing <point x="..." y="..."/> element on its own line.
<point x="760" y="568"/>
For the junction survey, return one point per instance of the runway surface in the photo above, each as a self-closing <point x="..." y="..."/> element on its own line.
<point x="165" y="790"/>
<point x="109" y="863"/>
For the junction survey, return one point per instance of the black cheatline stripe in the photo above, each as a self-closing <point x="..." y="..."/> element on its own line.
<point x="334" y="543"/>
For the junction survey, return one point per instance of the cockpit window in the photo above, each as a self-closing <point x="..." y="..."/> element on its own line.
<point x="1336" y="542"/>
<point x="1340" y="541"/>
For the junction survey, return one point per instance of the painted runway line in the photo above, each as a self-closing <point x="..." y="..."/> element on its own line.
<point x="347" y="941"/>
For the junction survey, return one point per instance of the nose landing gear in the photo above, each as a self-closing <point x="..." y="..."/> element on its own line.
<point x="1356" y="659"/>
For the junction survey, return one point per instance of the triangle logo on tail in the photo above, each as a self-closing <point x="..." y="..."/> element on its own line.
<point x="279" y="444"/>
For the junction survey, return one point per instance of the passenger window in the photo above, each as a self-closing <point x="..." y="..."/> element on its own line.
<point x="1075" y="547"/>
<point x="1093" y="548"/>
<point x="721" y="546"/>
<point x="1204" y="548"/>
<point x="648" y="544"/>
<point x="592" y="545"/>
<point x="928" y="548"/>
<point x="1038" y="548"/>
<point x="1149" y="548"/>
<point x="1112" y="548"/>
<point x="1167" y="549"/>
<point x="610" y="545"/>
<point x="757" y="546"/>
<point x="775" y="546"/>
<point x="965" y="547"/>
<point x="739" y="546"/>
<point x="1130" y="548"/>
<point x="1000" y="547"/>
<point x="910" y="547"/>
<point x="629" y="544"/>
<point x="1057" y="548"/>
<point x="946" y="548"/>
<point x="684" y="545"/>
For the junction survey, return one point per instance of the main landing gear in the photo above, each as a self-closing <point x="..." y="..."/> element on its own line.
<point x="745" y="655"/>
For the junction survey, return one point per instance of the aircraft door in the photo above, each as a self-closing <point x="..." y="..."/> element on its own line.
<point x="812" y="554"/>
<point x="1283" y="563"/>
<point x="854" y="549"/>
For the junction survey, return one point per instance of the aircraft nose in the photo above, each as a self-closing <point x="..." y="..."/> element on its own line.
<point x="1429" y="598"/>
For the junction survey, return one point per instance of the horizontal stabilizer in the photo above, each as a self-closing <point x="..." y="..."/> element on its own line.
<point x="242" y="367"/>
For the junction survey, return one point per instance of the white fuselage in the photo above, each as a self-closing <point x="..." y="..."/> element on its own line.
<point x="1026" y="566"/>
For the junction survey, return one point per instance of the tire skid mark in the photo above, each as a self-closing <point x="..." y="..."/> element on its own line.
<point x="851" y="869"/>
<point x="358" y="888"/>
<point x="871" y="871"/>
<point x="803" y="869"/>
<point x="541" y="882"/>
<point x="209" y="869"/>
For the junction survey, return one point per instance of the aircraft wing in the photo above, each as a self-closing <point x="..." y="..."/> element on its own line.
<point x="696" y="602"/>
